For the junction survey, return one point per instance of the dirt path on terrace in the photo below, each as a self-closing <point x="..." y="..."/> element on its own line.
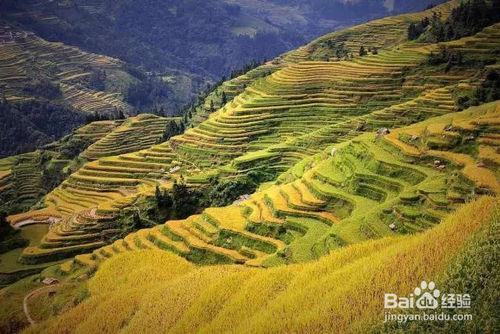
<point x="31" y="221"/>
<point x="35" y="293"/>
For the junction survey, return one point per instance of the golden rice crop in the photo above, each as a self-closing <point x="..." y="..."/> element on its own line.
<point x="343" y="292"/>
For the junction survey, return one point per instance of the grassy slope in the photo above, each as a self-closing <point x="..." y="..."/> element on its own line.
<point x="341" y="292"/>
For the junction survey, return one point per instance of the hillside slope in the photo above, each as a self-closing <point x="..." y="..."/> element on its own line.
<point x="32" y="67"/>
<point x="209" y="38"/>
<point x="372" y="186"/>
<point x="26" y="178"/>
<point x="364" y="160"/>
<point x="50" y="88"/>
<point x="282" y="112"/>
<point x="317" y="297"/>
<point x="225" y="36"/>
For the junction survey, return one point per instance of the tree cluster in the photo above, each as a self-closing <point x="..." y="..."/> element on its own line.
<point x="224" y="192"/>
<point x="148" y="93"/>
<point x="6" y="230"/>
<point x="466" y="19"/>
<point x="249" y="66"/>
<point x="27" y="125"/>
<point x="180" y="202"/>
<point x="172" y="129"/>
<point x="446" y="56"/>
<point x="362" y="51"/>
<point x="43" y="87"/>
<point x="116" y="114"/>
<point x="487" y="91"/>
<point x="340" y="49"/>
<point x="9" y="237"/>
<point x="416" y="29"/>
<point x="97" y="80"/>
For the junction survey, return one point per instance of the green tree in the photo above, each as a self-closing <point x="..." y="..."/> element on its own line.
<point x="121" y="115"/>
<point x="97" y="80"/>
<point x="362" y="51"/>
<point x="185" y="201"/>
<point x="136" y="221"/>
<point x="6" y="229"/>
<point x="224" y="98"/>
<point x="163" y="199"/>
<point x="158" y="194"/>
<point x="171" y="129"/>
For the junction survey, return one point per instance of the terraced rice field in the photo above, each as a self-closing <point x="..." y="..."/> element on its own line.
<point x="20" y="179"/>
<point x="177" y="296"/>
<point x="86" y="229"/>
<point x="372" y="186"/>
<point x="284" y="118"/>
<point x="27" y="56"/>
<point x="20" y="176"/>
<point x="135" y="134"/>
<point x="381" y="34"/>
<point x="96" y="130"/>
<point x="231" y="89"/>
